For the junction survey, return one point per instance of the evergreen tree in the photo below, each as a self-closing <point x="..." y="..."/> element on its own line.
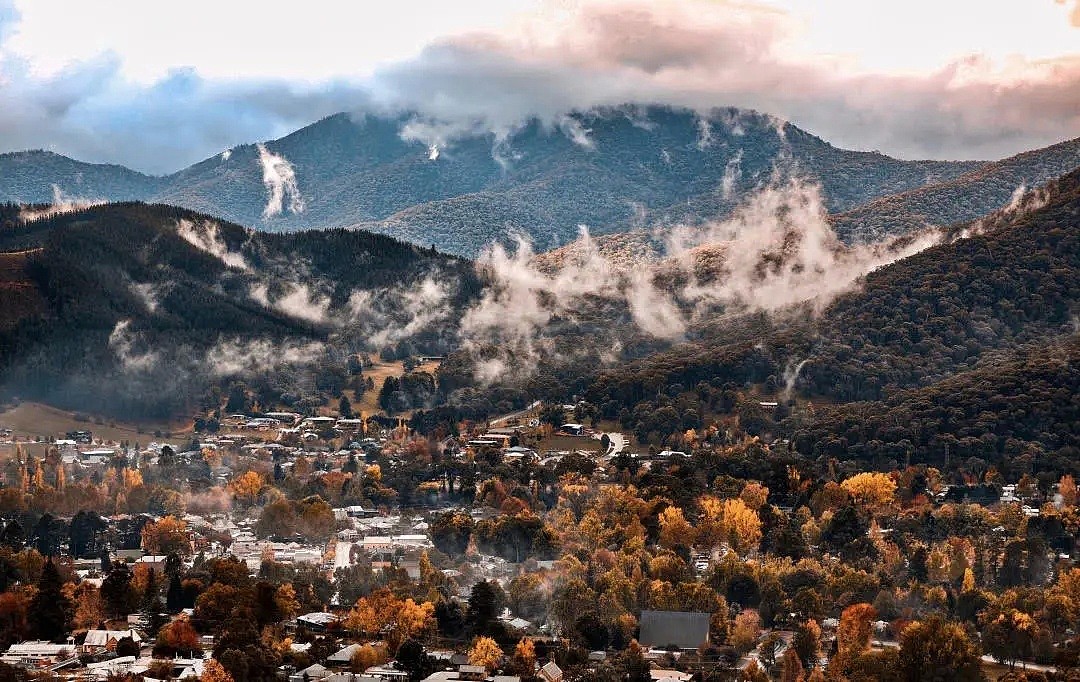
<point x="50" y="611"/>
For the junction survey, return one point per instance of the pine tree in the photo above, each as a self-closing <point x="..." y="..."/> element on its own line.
<point x="50" y="611"/>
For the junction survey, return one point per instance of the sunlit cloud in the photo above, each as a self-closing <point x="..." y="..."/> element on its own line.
<point x="544" y="58"/>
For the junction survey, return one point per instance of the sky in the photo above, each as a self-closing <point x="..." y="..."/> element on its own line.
<point x="158" y="86"/>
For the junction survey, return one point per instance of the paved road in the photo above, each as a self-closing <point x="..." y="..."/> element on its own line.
<point x="519" y="414"/>
<point x="342" y="554"/>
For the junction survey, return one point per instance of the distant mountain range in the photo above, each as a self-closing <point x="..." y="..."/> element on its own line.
<point x="611" y="169"/>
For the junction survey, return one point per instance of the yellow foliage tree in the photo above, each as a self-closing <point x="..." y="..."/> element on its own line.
<point x="870" y="488"/>
<point x="246" y="487"/>
<point x="525" y="657"/>
<point x="1067" y="490"/>
<point x="165" y="536"/>
<point x="215" y="672"/>
<point x="754" y="495"/>
<point x="746" y="630"/>
<point x="675" y="530"/>
<point x="286" y="601"/>
<point x="969" y="580"/>
<point x="853" y="633"/>
<point x="486" y="652"/>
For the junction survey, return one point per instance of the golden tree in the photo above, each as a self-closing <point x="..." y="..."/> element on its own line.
<point x="215" y="672"/>
<point x="746" y="631"/>
<point x="730" y="521"/>
<point x="286" y="601"/>
<point x="165" y="536"/>
<point x="791" y="668"/>
<point x="524" y="659"/>
<point x="246" y="487"/>
<point x="853" y="634"/>
<point x="486" y="652"/>
<point x="754" y="495"/>
<point x="873" y="489"/>
<point x="674" y="528"/>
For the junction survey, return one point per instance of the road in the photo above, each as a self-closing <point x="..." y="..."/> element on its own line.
<point x="515" y="415"/>
<point x="342" y="554"/>
<point x="986" y="658"/>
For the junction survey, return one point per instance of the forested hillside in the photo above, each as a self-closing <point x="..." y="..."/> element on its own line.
<point x="1017" y="413"/>
<point x="136" y="307"/>
<point x="942" y="313"/>
<point x="959" y="199"/>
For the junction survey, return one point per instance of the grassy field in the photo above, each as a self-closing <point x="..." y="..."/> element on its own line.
<point x="33" y="420"/>
<point x="377" y="371"/>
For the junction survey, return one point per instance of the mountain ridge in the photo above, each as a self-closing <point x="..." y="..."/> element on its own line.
<point x="610" y="168"/>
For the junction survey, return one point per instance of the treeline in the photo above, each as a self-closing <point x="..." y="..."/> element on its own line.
<point x="1019" y="415"/>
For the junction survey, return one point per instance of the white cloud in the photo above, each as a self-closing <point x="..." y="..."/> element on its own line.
<point x="279" y="177"/>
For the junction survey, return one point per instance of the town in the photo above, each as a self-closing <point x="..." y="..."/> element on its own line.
<point x="536" y="546"/>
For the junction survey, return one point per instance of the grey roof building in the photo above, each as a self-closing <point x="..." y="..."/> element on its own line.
<point x="685" y="630"/>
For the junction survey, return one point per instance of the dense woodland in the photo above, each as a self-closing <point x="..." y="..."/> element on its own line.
<point x="80" y="275"/>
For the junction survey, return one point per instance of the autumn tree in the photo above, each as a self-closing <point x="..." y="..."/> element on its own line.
<point x="935" y="649"/>
<point x="872" y="489"/>
<point x="169" y="535"/>
<point x="523" y="662"/>
<point x="852" y="636"/>
<point x="246" y="487"/>
<point x="730" y="521"/>
<point x="746" y="630"/>
<point x="675" y="530"/>
<point x="806" y="643"/>
<point x="754" y="495"/>
<point x="791" y="667"/>
<point x="485" y="652"/>
<point x="214" y="672"/>
<point x="1007" y="634"/>
<point x="177" y="637"/>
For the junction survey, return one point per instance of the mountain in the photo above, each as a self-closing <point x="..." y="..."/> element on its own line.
<point x="610" y="169"/>
<point x="958" y="199"/>
<point x="138" y="309"/>
<point x="35" y="177"/>
<point x="950" y="311"/>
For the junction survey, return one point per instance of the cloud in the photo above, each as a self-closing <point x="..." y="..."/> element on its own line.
<point x="230" y="357"/>
<point x="279" y="177"/>
<point x="206" y="236"/>
<point x="124" y="344"/>
<point x="697" y="53"/>
<point x="61" y="203"/>
<point x="1074" y="16"/>
<point x="706" y="54"/>
<point x="299" y="301"/>
<point x="776" y="252"/>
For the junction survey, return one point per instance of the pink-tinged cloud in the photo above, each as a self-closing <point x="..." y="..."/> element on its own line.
<point x="1074" y="16"/>
<point x="705" y="54"/>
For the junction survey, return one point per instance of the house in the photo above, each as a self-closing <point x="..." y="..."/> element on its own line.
<point x="550" y="672"/>
<point x="154" y="561"/>
<point x="685" y="630"/>
<point x="343" y="656"/>
<point x="312" y="672"/>
<point x="573" y="429"/>
<point x="662" y="675"/>
<point x="472" y="672"/>
<point x="99" y="641"/>
<point x="318" y="621"/>
<point x="386" y="672"/>
<point x="37" y="653"/>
